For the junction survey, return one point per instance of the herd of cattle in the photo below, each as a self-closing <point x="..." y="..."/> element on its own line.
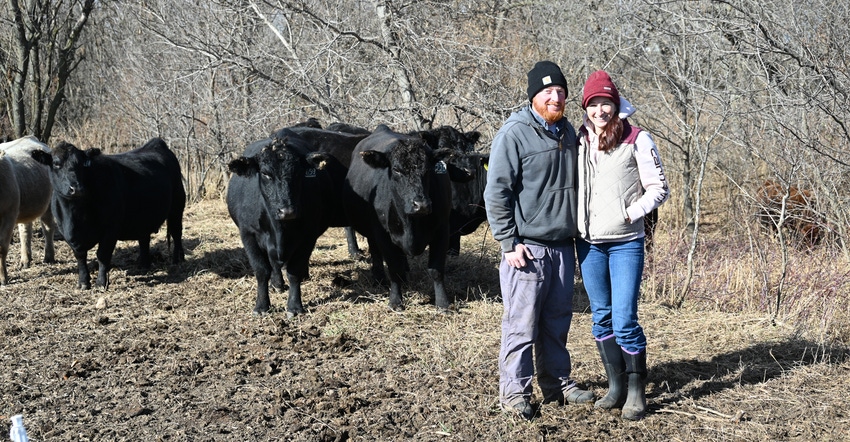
<point x="404" y="192"/>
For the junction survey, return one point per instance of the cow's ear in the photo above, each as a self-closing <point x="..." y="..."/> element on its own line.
<point x="318" y="160"/>
<point x="42" y="157"/>
<point x="375" y="159"/>
<point x="458" y="175"/>
<point x="244" y="166"/>
<point x="433" y="139"/>
<point x="444" y="153"/>
<point x="92" y="152"/>
<point x="473" y="136"/>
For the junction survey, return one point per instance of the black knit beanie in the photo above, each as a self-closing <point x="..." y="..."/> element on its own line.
<point x="544" y="74"/>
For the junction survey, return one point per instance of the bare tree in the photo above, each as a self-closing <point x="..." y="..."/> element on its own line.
<point x="43" y="38"/>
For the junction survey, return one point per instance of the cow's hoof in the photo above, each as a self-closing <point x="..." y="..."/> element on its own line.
<point x="261" y="311"/>
<point x="446" y="310"/>
<point x="291" y="313"/>
<point x="398" y="308"/>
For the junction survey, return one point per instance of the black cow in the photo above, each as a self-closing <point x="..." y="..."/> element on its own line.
<point x="340" y="145"/>
<point x="468" y="176"/>
<point x="399" y="197"/>
<point x="348" y="128"/>
<point x="99" y="199"/>
<point x="282" y="196"/>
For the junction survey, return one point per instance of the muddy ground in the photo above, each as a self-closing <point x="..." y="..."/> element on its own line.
<point x="176" y="355"/>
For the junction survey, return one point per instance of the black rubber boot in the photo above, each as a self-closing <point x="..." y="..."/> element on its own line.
<point x="635" y="407"/>
<point x="615" y="369"/>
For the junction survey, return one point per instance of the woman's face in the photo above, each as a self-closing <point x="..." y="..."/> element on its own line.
<point x="600" y="110"/>
<point x="549" y="103"/>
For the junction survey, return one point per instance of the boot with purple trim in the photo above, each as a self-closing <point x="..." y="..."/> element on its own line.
<point x="635" y="406"/>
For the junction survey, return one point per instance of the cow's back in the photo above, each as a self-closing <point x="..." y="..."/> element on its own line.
<point x="147" y="185"/>
<point x="32" y="177"/>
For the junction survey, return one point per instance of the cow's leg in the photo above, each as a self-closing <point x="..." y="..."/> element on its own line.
<point x="454" y="245"/>
<point x="397" y="266"/>
<point x="144" y="261"/>
<point x="175" y="232"/>
<point x="377" y="261"/>
<point x="276" y="272"/>
<point x="48" y="227"/>
<point x="298" y="270"/>
<point x="437" y="269"/>
<point x="259" y="260"/>
<point x="262" y="270"/>
<point x="83" y="277"/>
<point x="25" y="234"/>
<point x="104" y="261"/>
<point x="293" y="304"/>
<point x="351" y="240"/>
<point x="5" y="242"/>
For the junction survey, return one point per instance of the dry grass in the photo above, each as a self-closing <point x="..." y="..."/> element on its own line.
<point x="177" y="355"/>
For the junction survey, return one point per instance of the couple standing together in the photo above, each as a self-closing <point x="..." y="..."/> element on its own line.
<point x="554" y="195"/>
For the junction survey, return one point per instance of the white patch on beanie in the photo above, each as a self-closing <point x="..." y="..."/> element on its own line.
<point x="547" y="80"/>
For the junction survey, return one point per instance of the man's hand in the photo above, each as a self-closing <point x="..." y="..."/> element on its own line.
<point x="517" y="258"/>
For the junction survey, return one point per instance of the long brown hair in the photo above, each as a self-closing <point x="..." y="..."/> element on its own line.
<point x="611" y="134"/>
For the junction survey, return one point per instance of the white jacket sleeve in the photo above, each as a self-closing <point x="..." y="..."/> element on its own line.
<point x="652" y="177"/>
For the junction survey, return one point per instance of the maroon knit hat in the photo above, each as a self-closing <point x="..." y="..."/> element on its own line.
<point x="599" y="84"/>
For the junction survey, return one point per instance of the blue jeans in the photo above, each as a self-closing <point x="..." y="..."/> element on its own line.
<point x="611" y="273"/>
<point x="538" y="311"/>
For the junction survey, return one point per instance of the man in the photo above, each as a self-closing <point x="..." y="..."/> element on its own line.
<point x="531" y="207"/>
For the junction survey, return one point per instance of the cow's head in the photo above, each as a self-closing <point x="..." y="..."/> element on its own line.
<point x="462" y="163"/>
<point x="450" y="138"/>
<point x="281" y="168"/>
<point x="407" y="163"/>
<point x="71" y="170"/>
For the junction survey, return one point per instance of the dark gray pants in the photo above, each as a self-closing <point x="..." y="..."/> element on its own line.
<point x="538" y="309"/>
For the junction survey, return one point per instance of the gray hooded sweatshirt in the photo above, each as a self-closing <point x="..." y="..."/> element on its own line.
<point x="530" y="195"/>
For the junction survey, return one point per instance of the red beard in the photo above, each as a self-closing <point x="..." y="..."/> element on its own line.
<point x="549" y="116"/>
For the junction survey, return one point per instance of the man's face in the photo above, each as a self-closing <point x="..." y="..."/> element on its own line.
<point x="549" y="103"/>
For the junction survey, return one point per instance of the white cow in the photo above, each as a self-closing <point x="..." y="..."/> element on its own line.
<point x="25" y="193"/>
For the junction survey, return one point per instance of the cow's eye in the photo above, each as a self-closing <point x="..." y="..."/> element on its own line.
<point x="57" y="165"/>
<point x="267" y="176"/>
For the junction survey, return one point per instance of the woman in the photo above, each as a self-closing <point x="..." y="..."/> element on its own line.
<point x="621" y="179"/>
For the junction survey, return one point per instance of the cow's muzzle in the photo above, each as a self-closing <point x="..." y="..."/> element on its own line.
<point x="420" y="208"/>
<point x="286" y="213"/>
